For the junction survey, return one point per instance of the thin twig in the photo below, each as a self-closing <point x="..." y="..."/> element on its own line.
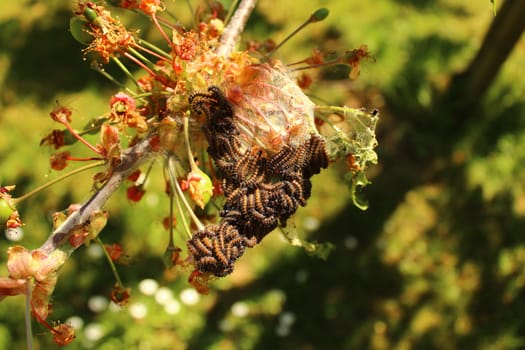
<point x="234" y="29"/>
<point x="54" y="181"/>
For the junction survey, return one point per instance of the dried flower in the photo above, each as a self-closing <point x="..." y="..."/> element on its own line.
<point x="114" y="251"/>
<point x="63" y="334"/>
<point x="120" y="295"/>
<point x="135" y="192"/>
<point x="59" y="160"/>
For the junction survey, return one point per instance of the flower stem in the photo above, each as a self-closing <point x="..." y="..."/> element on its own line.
<point x="113" y="80"/>
<point x="193" y="166"/>
<point x="157" y="24"/>
<point x="231" y="11"/>
<point x="317" y="16"/>
<point x="29" y="330"/>
<point x="142" y="57"/>
<point x="173" y="180"/>
<point x="153" y="50"/>
<point x="54" y="181"/>
<point x="110" y="262"/>
<point x="126" y="71"/>
<point x="80" y="138"/>
<point x="171" y="243"/>
<point x="173" y="176"/>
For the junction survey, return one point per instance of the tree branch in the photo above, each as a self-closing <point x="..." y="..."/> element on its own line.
<point x="138" y="154"/>
<point x="131" y="159"/>
<point x="506" y="29"/>
<point x="234" y="29"/>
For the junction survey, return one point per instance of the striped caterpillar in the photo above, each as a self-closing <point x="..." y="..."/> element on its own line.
<point x="261" y="191"/>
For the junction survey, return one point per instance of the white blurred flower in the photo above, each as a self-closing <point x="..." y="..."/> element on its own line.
<point x="148" y="286"/>
<point x="94" y="251"/>
<point x="240" y="309"/>
<point x="287" y="318"/>
<point x="172" y="307"/>
<point x="311" y="223"/>
<point x="189" y="296"/>
<point x="93" y="331"/>
<point x="138" y="310"/>
<point x="164" y="295"/>
<point x="76" y="322"/>
<point x="98" y="303"/>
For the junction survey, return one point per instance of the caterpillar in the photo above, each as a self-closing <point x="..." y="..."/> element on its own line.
<point x="261" y="191"/>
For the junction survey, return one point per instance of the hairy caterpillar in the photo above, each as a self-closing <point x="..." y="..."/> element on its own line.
<point x="261" y="190"/>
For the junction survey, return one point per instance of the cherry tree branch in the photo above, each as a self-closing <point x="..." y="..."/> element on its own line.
<point x="131" y="159"/>
<point x="234" y="29"/>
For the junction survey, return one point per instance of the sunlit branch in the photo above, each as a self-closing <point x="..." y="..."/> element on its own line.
<point x="131" y="159"/>
<point x="234" y="29"/>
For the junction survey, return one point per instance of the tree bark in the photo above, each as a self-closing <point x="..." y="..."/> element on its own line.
<point x="470" y="85"/>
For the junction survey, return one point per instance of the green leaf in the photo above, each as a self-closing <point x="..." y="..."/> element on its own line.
<point x="353" y="137"/>
<point x="314" y="248"/>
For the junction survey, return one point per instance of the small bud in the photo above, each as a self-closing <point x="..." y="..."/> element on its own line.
<point x="56" y="139"/>
<point x="304" y="81"/>
<point x="319" y="15"/>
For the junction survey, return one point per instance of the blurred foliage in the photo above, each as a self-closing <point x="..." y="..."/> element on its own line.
<point x="437" y="261"/>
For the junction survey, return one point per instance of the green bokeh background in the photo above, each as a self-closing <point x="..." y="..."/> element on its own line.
<point x="436" y="262"/>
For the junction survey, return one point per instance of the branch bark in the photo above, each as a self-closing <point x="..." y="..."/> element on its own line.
<point x="131" y="159"/>
<point x="234" y="29"/>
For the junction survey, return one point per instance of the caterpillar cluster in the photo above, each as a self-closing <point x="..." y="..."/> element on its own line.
<point x="261" y="191"/>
